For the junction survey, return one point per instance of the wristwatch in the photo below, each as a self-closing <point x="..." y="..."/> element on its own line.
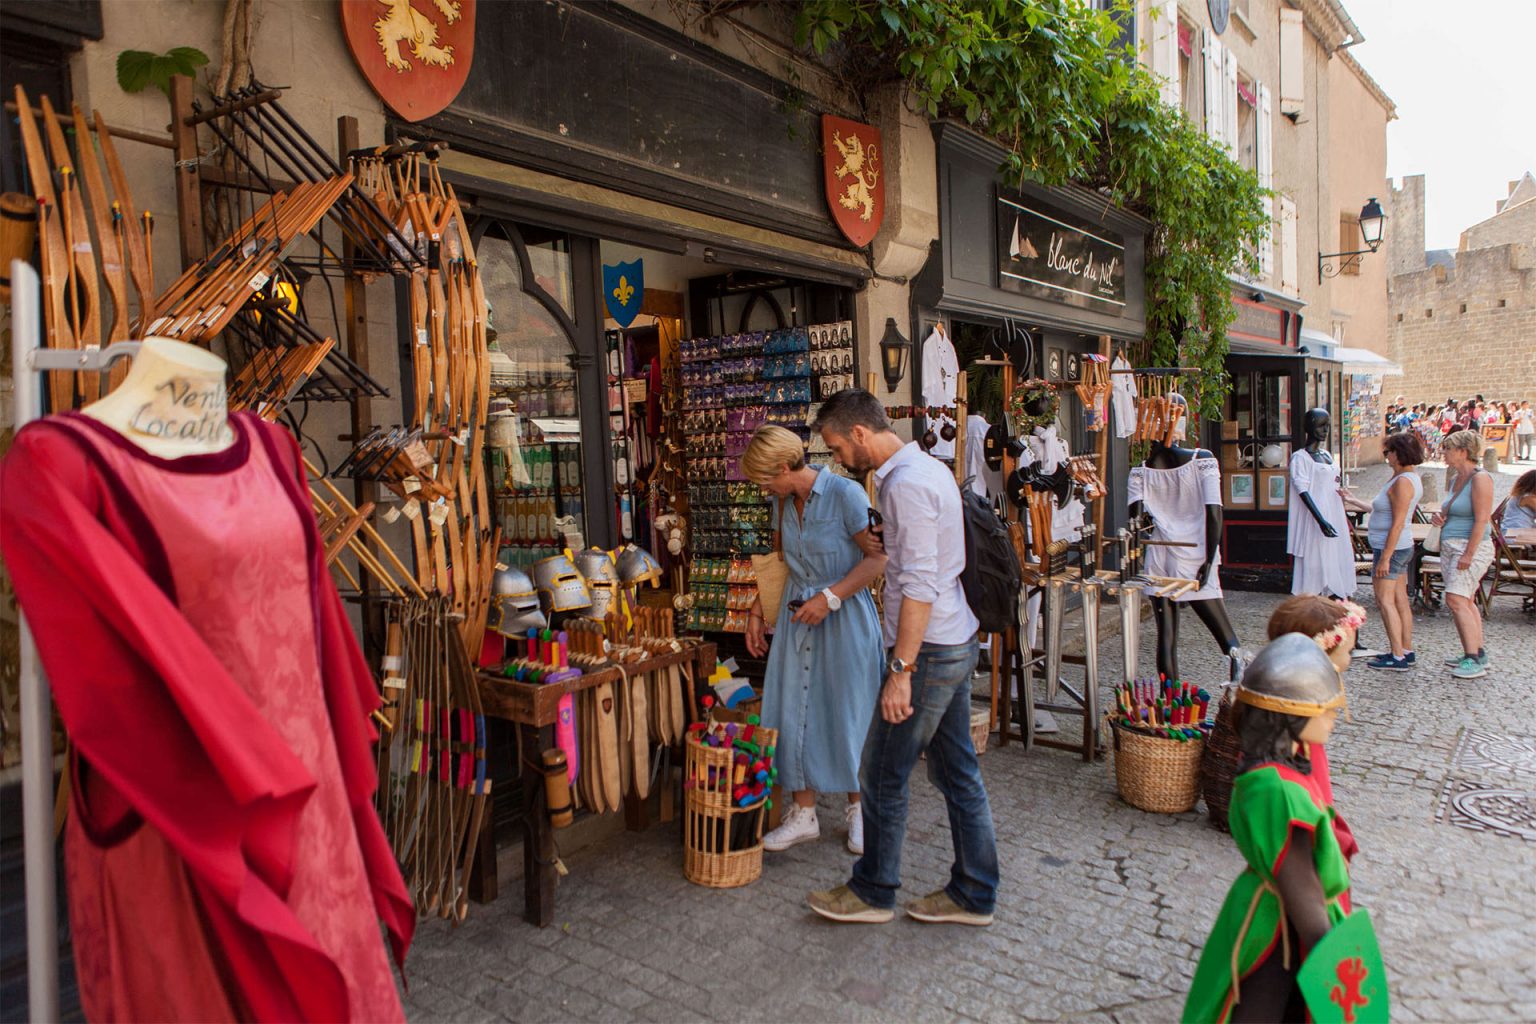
<point x="899" y="667"/>
<point x="833" y="601"/>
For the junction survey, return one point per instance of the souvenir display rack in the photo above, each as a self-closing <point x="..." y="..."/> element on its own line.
<point x="731" y="385"/>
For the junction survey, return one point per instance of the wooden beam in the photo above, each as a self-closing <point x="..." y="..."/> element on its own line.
<point x="189" y="192"/>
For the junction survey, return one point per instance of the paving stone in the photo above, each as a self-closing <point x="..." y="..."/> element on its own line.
<point x="1102" y="909"/>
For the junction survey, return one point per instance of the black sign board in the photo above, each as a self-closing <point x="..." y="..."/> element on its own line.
<point x="1049" y="254"/>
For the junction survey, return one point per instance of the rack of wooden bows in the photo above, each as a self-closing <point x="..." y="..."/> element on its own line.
<point x="268" y="216"/>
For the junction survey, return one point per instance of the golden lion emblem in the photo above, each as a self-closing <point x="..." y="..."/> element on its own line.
<point x="405" y="24"/>
<point x="861" y="163"/>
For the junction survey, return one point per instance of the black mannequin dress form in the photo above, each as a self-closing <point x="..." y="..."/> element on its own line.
<point x="1212" y="612"/>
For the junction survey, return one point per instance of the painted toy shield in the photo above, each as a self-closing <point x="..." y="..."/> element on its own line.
<point x="853" y="162"/>
<point x="1343" y="980"/>
<point x="415" y="53"/>
<point x="624" y="290"/>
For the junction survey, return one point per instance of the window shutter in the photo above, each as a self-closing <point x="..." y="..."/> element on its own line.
<point x="1229" y="100"/>
<point x="1292" y="93"/>
<point x="1266" y="156"/>
<point x="1214" y="110"/>
<point x="1165" y="49"/>
<point x="1290" y="282"/>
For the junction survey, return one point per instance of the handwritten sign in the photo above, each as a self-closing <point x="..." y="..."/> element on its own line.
<point x="1053" y="255"/>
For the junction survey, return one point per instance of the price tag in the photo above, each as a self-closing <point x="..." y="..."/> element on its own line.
<point x="411" y="484"/>
<point x="257" y="282"/>
<point x="391" y="514"/>
<point x="411" y="510"/>
<point x="392" y="663"/>
<point x="439" y="513"/>
<point x="394" y="683"/>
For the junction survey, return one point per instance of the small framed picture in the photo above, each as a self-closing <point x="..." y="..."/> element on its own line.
<point x="1272" y="489"/>
<point x="1053" y="364"/>
<point x="1074" y="366"/>
<point x="1240" y="489"/>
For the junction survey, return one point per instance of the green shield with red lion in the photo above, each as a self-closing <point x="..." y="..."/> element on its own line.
<point x="1343" y="979"/>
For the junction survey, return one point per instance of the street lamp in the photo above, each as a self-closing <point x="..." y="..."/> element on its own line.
<point x="1373" y="223"/>
<point x="893" y="354"/>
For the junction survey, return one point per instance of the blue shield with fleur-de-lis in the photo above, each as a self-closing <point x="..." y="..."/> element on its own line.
<point x="624" y="290"/>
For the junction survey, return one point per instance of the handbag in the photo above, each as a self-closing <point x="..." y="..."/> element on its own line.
<point x="772" y="573"/>
<point x="1432" y="539"/>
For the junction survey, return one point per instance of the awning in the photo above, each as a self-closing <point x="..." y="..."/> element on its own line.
<point x="1363" y="360"/>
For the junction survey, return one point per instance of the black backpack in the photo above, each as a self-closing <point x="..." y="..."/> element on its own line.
<point x="991" y="579"/>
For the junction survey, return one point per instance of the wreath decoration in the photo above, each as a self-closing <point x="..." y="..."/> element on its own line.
<point x="1028" y="393"/>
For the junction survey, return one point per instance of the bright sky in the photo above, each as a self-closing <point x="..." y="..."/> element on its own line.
<point x="1463" y="77"/>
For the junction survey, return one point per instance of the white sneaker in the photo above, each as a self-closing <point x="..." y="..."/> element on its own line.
<point x="799" y="826"/>
<point x="855" y="818"/>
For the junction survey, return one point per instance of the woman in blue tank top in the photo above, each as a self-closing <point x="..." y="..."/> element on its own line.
<point x="1466" y="548"/>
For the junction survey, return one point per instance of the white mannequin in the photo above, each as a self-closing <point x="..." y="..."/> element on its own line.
<point x="172" y="403"/>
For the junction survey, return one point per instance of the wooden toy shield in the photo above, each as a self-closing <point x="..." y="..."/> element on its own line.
<point x="853" y="161"/>
<point x="415" y="53"/>
<point x="1343" y="980"/>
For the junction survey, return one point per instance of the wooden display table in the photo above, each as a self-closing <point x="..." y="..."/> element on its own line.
<point x="533" y="707"/>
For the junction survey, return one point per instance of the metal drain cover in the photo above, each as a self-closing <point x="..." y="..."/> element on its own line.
<point x="1481" y="807"/>
<point x="1480" y="751"/>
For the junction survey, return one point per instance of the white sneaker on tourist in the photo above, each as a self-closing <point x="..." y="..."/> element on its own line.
<point x="799" y="826"/>
<point x="855" y="817"/>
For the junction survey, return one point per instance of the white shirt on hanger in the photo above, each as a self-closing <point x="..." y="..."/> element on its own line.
<point x="1122" y="398"/>
<point x="941" y="371"/>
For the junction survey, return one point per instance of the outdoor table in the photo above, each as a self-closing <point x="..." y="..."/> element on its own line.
<point x="533" y="708"/>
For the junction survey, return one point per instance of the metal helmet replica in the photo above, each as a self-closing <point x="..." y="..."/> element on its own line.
<point x="596" y="567"/>
<point x="515" y="604"/>
<point x="637" y="565"/>
<point x="560" y="584"/>
<point x="1294" y="676"/>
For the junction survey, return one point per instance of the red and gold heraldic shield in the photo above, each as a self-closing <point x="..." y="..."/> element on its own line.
<point x="415" y="53"/>
<point x="853" y="160"/>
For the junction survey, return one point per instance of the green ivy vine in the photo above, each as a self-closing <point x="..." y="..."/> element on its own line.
<point x="1056" y="85"/>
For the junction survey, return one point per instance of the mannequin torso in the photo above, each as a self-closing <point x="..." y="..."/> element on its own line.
<point x="172" y="403"/>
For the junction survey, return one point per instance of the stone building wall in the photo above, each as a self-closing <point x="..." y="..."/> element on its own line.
<point x="1468" y="330"/>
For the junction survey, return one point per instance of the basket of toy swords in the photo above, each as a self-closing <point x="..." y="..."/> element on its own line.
<point x="1159" y="731"/>
<point x="727" y="778"/>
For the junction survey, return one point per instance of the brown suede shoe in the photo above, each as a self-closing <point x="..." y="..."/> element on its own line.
<point x="842" y="904"/>
<point x="938" y="908"/>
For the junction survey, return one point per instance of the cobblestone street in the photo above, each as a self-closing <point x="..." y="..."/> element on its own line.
<point x="1103" y="908"/>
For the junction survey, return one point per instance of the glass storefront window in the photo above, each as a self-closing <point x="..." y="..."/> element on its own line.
<point x="534" y="446"/>
<point x="1273" y="418"/>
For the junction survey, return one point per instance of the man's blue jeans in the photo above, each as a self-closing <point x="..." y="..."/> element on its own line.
<point x="941" y="725"/>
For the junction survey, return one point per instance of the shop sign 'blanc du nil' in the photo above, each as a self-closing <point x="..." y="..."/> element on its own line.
<point x="1052" y="255"/>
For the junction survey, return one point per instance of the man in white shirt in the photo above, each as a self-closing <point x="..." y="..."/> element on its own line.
<point x="1525" y="431"/>
<point x="925" y="704"/>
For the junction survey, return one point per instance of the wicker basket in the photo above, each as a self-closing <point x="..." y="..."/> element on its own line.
<point x="981" y="728"/>
<point x="1218" y="765"/>
<point x="1156" y="773"/>
<point x="722" y="843"/>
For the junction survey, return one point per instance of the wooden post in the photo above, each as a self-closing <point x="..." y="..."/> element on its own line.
<point x="960" y="410"/>
<point x="1103" y="461"/>
<point x="189" y="193"/>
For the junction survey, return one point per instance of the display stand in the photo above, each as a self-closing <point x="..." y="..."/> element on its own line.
<point x="29" y="361"/>
<point x="534" y="708"/>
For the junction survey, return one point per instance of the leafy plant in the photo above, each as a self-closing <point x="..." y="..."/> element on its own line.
<point x="1054" y="83"/>
<point x="139" y="69"/>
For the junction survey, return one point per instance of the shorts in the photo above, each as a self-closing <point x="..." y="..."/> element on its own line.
<point x="1397" y="566"/>
<point x="1459" y="582"/>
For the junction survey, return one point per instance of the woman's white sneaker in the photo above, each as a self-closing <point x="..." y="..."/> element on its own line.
<point x="855" y="816"/>
<point x="799" y="826"/>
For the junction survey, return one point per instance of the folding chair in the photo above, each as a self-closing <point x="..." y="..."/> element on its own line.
<point x="1510" y="575"/>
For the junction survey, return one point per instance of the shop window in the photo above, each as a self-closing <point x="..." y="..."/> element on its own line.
<point x="535" y="449"/>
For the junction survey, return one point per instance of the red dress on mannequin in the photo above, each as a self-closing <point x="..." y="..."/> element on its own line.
<point x="223" y="859"/>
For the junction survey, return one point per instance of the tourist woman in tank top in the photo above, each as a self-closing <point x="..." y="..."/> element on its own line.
<point x="1392" y="545"/>
<point x="1466" y="549"/>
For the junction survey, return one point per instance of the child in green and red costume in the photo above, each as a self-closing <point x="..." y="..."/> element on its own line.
<point x="1296" y="886"/>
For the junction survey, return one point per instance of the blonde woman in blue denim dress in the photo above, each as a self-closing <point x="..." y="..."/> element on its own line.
<point x="825" y="657"/>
